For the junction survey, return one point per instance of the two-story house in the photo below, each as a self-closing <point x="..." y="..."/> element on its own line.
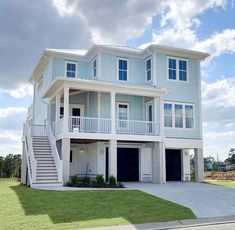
<point x="111" y="110"/>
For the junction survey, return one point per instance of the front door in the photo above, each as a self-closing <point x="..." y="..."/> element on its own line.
<point x="77" y="122"/>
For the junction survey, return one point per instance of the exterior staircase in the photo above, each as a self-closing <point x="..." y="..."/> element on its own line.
<point x="46" y="172"/>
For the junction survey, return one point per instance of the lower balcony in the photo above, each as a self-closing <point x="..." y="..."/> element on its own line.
<point x="91" y="125"/>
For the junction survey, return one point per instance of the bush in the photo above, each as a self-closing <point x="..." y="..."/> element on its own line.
<point x="74" y="181"/>
<point x="112" y="181"/>
<point x="100" y="181"/>
<point x="192" y="175"/>
<point x="87" y="181"/>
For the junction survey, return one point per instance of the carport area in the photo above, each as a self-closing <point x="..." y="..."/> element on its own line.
<point x="203" y="199"/>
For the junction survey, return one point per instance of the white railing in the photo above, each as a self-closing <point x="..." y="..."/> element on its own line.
<point x="30" y="110"/>
<point x="134" y="127"/>
<point x="59" y="126"/>
<point x="31" y="161"/>
<point x="55" y="154"/>
<point x="38" y="130"/>
<point x="89" y="124"/>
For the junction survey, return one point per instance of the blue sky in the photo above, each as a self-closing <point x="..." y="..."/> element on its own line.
<point x="28" y="27"/>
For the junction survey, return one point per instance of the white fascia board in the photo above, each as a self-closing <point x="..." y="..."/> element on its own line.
<point x="180" y="143"/>
<point x="101" y="86"/>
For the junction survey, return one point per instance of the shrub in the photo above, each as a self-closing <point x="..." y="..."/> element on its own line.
<point x="74" y="181"/>
<point x="87" y="181"/>
<point x="112" y="181"/>
<point x="100" y="181"/>
<point x="192" y="175"/>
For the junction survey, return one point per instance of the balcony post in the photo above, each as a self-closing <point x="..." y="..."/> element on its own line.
<point x="161" y="117"/>
<point x="112" y="113"/>
<point x="66" y="110"/>
<point x="57" y="107"/>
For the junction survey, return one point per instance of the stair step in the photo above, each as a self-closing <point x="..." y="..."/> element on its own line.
<point x="50" y="168"/>
<point x="47" y="175"/>
<point x="45" y="178"/>
<point x="47" y="171"/>
<point x="46" y="164"/>
<point x="46" y="156"/>
<point x="46" y="181"/>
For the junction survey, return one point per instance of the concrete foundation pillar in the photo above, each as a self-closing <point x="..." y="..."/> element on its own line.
<point x="65" y="153"/>
<point x="113" y="158"/>
<point x="185" y="160"/>
<point x="199" y="165"/>
<point x="159" y="165"/>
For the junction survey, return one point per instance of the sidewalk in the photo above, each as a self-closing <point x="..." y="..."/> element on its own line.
<point x="172" y="224"/>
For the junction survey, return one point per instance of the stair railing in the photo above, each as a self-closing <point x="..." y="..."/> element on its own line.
<point x="31" y="161"/>
<point x="55" y="154"/>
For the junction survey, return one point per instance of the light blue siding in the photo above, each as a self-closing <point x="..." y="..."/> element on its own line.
<point x="58" y="68"/>
<point x="105" y="105"/>
<point x="184" y="92"/>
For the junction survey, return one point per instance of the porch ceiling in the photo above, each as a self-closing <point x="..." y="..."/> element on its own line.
<point x="102" y="86"/>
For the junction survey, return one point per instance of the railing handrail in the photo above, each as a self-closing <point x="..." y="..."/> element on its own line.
<point x="95" y="118"/>
<point x="54" y="151"/>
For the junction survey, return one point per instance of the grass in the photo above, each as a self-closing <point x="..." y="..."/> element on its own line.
<point x="221" y="183"/>
<point x="24" y="208"/>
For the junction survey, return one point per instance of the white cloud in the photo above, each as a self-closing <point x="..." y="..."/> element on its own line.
<point x="219" y="135"/>
<point x="64" y="8"/>
<point x="11" y="111"/>
<point x="218" y="101"/>
<point x="11" y="135"/>
<point x="21" y="91"/>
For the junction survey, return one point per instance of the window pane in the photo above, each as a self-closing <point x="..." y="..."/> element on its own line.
<point x="148" y="64"/>
<point x="167" y="115"/>
<point x="122" y="75"/>
<point x="178" y="116"/>
<point x="123" y="64"/>
<point x="172" y="74"/>
<point x="149" y="77"/>
<point x="70" y="74"/>
<point x="189" y="116"/>
<point x="172" y="63"/>
<point x="182" y="65"/>
<point x="183" y="75"/>
<point x="71" y="67"/>
<point x="122" y="115"/>
<point x="94" y="63"/>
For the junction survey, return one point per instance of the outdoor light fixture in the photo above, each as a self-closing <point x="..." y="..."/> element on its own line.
<point x="81" y="150"/>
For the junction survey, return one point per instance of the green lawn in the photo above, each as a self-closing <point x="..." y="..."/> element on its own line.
<point x="25" y="208"/>
<point x="221" y="183"/>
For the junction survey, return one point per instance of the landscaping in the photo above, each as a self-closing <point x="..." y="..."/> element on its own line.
<point x="221" y="183"/>
<point x="97" y="182"/>
<point x="22" y="207"/>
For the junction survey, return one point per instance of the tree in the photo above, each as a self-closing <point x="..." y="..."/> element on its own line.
<point x="11" y="166"/>
<point x="231" y="156"/>
<point x="1" y="165"/>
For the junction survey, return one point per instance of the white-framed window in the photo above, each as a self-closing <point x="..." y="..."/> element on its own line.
<point x="122" y="66"/>
<point x="179" y="115"/>
<point x="94" y="68"/>
<point x="123" y="115"/>
<point x="189" y="119"/>
<point x="167" y="115"/>
<point x="70" y="69"/>
<point x="148" y="69"/>
<point x="177" y="69"/>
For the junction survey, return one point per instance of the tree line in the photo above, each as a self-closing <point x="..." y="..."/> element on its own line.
<point x="10" y="166"/>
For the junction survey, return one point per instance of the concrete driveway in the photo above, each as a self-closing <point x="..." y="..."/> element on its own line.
<point x="203" y="199"/>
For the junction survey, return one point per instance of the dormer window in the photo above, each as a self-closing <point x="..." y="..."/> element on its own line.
<point x="71" y="69"/>
<point x="177" y="69"/>
<point x="148" y="69"/>
<point x="122" y="69"/>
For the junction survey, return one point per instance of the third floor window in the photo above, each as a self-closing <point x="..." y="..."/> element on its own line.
<point x="122" y="69"/>
<point x="177" y="69"/>
<point x="71" y="69"/>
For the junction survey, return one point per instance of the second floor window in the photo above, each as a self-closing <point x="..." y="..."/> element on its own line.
<point x="148" y="69"/>
<point x="71" y="69"/>
<point x="178" y="116"/>
<point x="122" y="69"/>
<point x="94" y="68"/>
<point x="177" y="69"/>
<point x="168" y="115"/>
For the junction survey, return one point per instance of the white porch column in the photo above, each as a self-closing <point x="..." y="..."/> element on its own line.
<point x="113" y="158"/>
<point x="65" y="153"/>
<point x="199" y="165"/>
<point x="23" y="165"/>
<point x="158" y="161"/>
<point x="113" y="113"/>
<point x="185" y="160"/>
<point x="57" y="107"/>
<point x="66" y="110"/>
<point x="159" y="114"/>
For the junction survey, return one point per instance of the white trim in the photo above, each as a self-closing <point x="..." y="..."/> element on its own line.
<point x="183" y="143"/>
<point x="65" y="68"/>
<point x="98" y="104"/>
<point x="173" y="115"/>
<point x="151" y="69"/>
<point x="127" y="77"/>
<point x="177" y="69"/>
